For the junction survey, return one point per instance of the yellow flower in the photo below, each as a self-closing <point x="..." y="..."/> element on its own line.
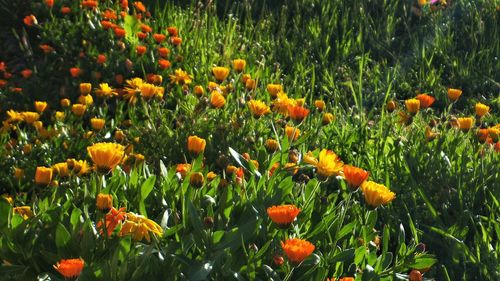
<point x="79" y="167"/>
<point x="140" y="227"/>
<point x="60" y="115"/>
<point x="412" y="105"/>
<point x="282" y="102"/>
<point x="132" y="89"/>
<point x="329" y="164"/>
<point x="104" y="202"/>
<point x="274" y="89"/>
<point x="327" y="118"/>
<point x="181" y="77"/>
<point x="40" y="106"/>
<point x="24" y="211"/>
<point x="376" y="194"/>
<point x="481" y="109"/>
<point x="454" y="94"/>
<point x="310" y="159"/>
<point x="65" y="102"/>
<point x="258" y="108"/>
<point x="196" y="180"/>
<point x="239" y="65"/>
<point x="272" y="145"/>
<point x="105" y="91"/>
<point x="149" y="90"/>
<point x="106" y="156"/>
<point x="43" y="175"/>
<point x="465" y="123"/>
<point x="7" y="198"/>
<point x="320" y="105"/>
<point x="220" y="73"/>
<point x="198" y="90"/>
<point x="97" y="123"/>
<point x="217" y="99"/>
<point x="30" y="117"/>
<point x="250" y="84"/>
<point x="85" y="88"/>
<point x="292" y="132"/>
<point x="61" y="169"/>
<point x="78" y="109"/>
<point x="196" y="144"/>
<point x="14" y="116"/>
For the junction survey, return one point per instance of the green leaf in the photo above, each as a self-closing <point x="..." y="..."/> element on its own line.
<point x="343" y="256"/>
<point x="131" y="26"/>
<point x="201" y="272"/>
<point x="271" y="274"/>
<point x="147" y="187"/>
<point x="423" y="262"/>
<point x="62" y="236"/>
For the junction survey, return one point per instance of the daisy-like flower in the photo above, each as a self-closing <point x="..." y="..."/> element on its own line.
<point x="283" y="215"/>
<point x="70" y="268"/>
<point x="105" y="91"/>
<point x="376" y="194"/>
<point x="297" y="250"/>
<point x="329" y="164"/>
<point x="181" y="77"/>
<point x="106" y="156"/>
<point x="140" y="227"/>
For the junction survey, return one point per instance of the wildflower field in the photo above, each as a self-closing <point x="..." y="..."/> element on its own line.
<point x="249" y="140"/>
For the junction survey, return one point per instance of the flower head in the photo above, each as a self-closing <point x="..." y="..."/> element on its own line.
<point x="297" y="113"/>
<point x="106" y="156"/>
<point x="105" y="91"/>
<point x="258" y="108"/>
<point x="181" y="77"/>
<point x="220" y="73"/>
<point x="196" y="145"/>
<point x="425" y="100"/>
<point x="43" y="175"/>
<point x="481" y="109"/>
<point x="412" y="105"/>
<point x="376" y="194"/>
<point x="274" y="89"/>
<point x="329" y="164"/>
<point x="140" y="227"/>
<point x="292" y="132"/>
<point x="104" y="202"/>
<point x="217" y="99"/>
<point x="283" y="215"/>
<point x="465" y="123"/>
<point x="454" y="94"/>
<point x="40" y="106"/>
<point x="297" y="250"/>
<point x="23" y="211"/>
<point x="239" y="65"/>
<point x="70" y="268"/>
<point x="354" y="176"/>
<point x="113" y="218"/>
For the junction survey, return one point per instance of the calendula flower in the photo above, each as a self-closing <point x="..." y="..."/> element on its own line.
<point x="86" y="100"/>
<point x="282" y="102"/>
<point x="106" y="156"/>
<point x="283" y="215"/>
<point x="30" y="117"/>
<point x="272" y="145"/>
<point x="196" y="145"/>
<point x="354" y="176"/>
<point x="258" y="108"/>
<point x="70" y="268"/>
<point x="481" y="109"/>
<point x="105" y="91"/>
<point x="159" y="37"/>
<point x="376" y="194"/>
<point x="320" y="105"/>
<point x="183" y="169"/>
<point x="132" y="89"/>
<point x="297" y="250"/>
<point x="217" y="99"/>
<point x="297" y="113"/>
<point x="140" y="227"/>
<point x="172" y="31"/>
<point x="61" y="169"/>
<point x="155" y="79"/>
<point x="250" y="84"/>
<point x="43" y="175"/>
<point x="181" y="77"/>
<point x="85" y="88"/>
<point x="220" y="73"/>
<point x="465" y="123"/>
<point x="60" y="115"/>
<point x="310" y="159"/>
<point x="292" y="132"/>
<point x="429" y="134"/>
<point x="75" y="72"/>
<point x="412" y="105"/>
<point x="164" y="64"/>
<point x="239" y="65"/>
<point x="329" y="164"/>
<point x="494" y="133"/>
<point x="164" y="52"/>
<point x="274" y="89"/>
<point x="104" y="202"/>
<point x="198" y="90"/>
<point x="18" y="173"/>
<point x="78" y="109"/>
<point x="113" y="218"/>
<point x="425" y="100"/>
<point x="141" y="50"/>
<point x="149" y="91"/>
<point x="47" y="49"/>
<point x="65" y="102"/>
<point x="327" y="119"/>
<point x="23" y="211"/>
<point x="196" y="180"/>
<point x="7" y="198"/>
<point x="30" y="20"/>
<point x="97" y="123"/>
<point x="454" y="94"/>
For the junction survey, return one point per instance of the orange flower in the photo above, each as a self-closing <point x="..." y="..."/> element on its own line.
<point x="49" y="3"/>
<point x="292" y="132"/>
<point x="43" y="175"/>
<point x="274" y="89"/>
<point x="75" y="72"/>
<point x="412" y="105"/>
<point x="46" y="48"/>
<point x="196" y="145"/>
<point x="354" y="176"/>
<point x="239" y="65"/>
<point x="106" y="156"/>
<point x="297" y="113"/>
<point x="297" y="250"/>
<point x="391" y="105"/>
<point x="30" y="20"/>
<point x="283" y="215"/>
<point x="90" y="3"/>
<point x="40" y="106"/>
<point x="101" y="59"/>
<point x="104" y="202"/>
<point x="159" y="37"/>
<point x="142" y="35"/>
<point x="425" y="100"/>
<point x="27" y="73"/>
<point x="106" y="24"/>
<point x="454" y="94"/>
<point x="217" y="99"/>
<point x="164" y="52"/>
<point x="164" y="64"/>
<point x="329" y="164"/>
<point x="220" y="73"/>
<point x="481" y="109"/>
<point x="119" y="32"/>
<point x="139" y="6"/>
<point x="183" y="169"/>
<point x="176" y="40"/>
<point x="65" y="10"/>
<point x="113" y="218"/>
<point x="140" y="50"/>
<point x="70" y="268"/>
<point x="172" y="31"/>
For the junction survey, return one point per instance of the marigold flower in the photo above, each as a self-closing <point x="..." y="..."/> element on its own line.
<point x="376" y="194"/>
<point x="172" y="31"/>
<point x="310" y="159"/>
<point x="320" y="105"/>
<point x="78" y="109"/>
<point x="220" y="73"/>
<point x="30" y="20"/>
<point x="481" y="109"/>
<point x="23" y="211"/>
<point x="327" y="119"/>
<point x="86" y="100"/>
<point x="97" y="123"/>
<point x="292" y="132"/>
<point x="140" y="227"/>
<point x="149" y="90"/>
<point x="412" y="105"/>
<point x="283" y="215"/>
<point x="429" y="134"/>
<point x="465" y="123"/>
<point x="46" y="48"/>
<point x="272" y="145"/>
<point x="329" y="164"/>
<point x="274" y="89"/>
<point x="90" y="4"/>
<point x="7" y="198"/>
<point x="27" y="73"/>
<point x="61" y="169"/>
<point x="354" y="176"/>
<point x="43" y="175"/>
<point x="297" y="250"/>
<point x="180" y="77"/>
<point x="297" y="113"/>
<point x="183" y="169"/>
<point x="85" y="88"/>
<point x="140" y="50"/>
<point x="196" y="145"/>
<point x="217" y="99"/>
<point x="250" y="84"/>
<point x="159" y="37"/>
<point x="105" y="91"/>
<point x="282" y="102"/>
<point x="132" y="89"/>
<point x="70" y="268"/>
<point x="119" y="32"/>
<point x="176" y="40"/>
<point x="494" y="133"/>
<point x="104" y="202"/>
<point x="164" y="52"/>
<point x="139" y="6"/>
<point x="65" y="102"/>
<point x="101" y="59"/>
<point x="40" y="106"/>
<point x="425" y="100"/>
<point x="454" y="94"/>
<point x="239" y="65"/>
<point x="113" y="218"/>
<point x="106" y="156"/>
<point x="391" y="106"/>
<point x="164" y="64"/>
<point x="196" y="180"/>
<point x="75" y="72"/>
<point x="258" y="108"/>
